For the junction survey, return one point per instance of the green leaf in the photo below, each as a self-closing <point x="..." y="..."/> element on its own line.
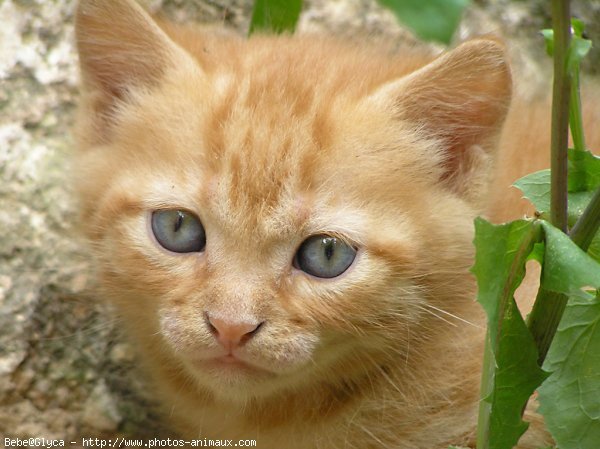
<point x="570" y="398"/>
<point x="577" y="26"/>
<point x="577" y="203"/>
<point x="549" y="39"/>
<point x="430" y="20"/>
<point x="567" y="269"/>
<point x="594" y="249"/>
<point x="577" y="50"/>
<point x="538" y="252"/>
<point x="276" y="16"/>
<point x="536" y="188"/>
<point x="584" y="171"/>
<point x="511" y="374"/>
<point x="497" y="261"/>
<point x="579" y="46"/>
<point x="584" y="178"/>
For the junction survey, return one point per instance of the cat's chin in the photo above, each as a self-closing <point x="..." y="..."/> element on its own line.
<point x="230" y="366"/>
<point x="234" y="379"/>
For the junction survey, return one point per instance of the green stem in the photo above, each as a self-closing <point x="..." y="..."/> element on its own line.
<point x="544" y="318"/>
<point x="549" y="307"/>
<point x="561" y="25"/>
<point x="575" y="121"/>
<point x="587" y="225"/>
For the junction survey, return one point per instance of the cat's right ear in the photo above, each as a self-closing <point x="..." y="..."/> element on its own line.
<point x="120" y="48"/>
<point x="460" y="99"/>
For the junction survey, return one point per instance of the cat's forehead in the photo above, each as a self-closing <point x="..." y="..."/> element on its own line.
<point x="264" y="148"/>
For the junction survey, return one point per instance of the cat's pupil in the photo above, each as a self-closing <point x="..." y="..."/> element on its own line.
<point x="178" y="221"/>
<point x="329" y="244"/>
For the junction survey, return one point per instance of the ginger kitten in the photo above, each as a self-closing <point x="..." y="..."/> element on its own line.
<point x="284" y="225"/>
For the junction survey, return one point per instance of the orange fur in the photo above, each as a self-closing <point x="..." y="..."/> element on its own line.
<point x="270" y="140"/>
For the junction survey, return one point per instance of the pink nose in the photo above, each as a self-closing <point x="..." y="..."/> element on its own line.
<point x="231" y="333"/>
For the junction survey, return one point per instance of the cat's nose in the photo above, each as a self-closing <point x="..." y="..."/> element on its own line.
<point x="232" y="333"/>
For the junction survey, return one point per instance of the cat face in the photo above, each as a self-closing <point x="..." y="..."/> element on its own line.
<point x="270" y="191"/>
<point x="265" y="214"/>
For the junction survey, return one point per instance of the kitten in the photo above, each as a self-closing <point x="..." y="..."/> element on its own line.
<point x="285" y="226"/>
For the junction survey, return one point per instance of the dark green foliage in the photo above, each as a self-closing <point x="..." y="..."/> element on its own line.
<point x="512" y="373"/>
<point x="570" y="398"/>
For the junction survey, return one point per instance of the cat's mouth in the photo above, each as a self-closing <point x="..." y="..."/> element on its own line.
<point x="230" y="363"/>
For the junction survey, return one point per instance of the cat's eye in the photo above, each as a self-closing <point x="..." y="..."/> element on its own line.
<point x="324" y="256"/>
<point x="178" y="230"/>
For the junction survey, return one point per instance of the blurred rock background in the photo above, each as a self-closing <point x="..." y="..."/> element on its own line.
<point x="65" y="370"/>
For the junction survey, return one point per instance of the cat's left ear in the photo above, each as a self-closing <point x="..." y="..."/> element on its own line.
<point x="461" y="99"/>
<point x="122" y="48"/>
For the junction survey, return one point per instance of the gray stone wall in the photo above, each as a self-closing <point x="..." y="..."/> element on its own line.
<point x="65" y="370"/>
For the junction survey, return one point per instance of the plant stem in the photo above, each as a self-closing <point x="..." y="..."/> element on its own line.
<point x="575" y="121"/>
<point x="587" y="225"/>
<point x="560" y="114"/>
<point x="549" y="306"/>
<point x="544" y="318"/>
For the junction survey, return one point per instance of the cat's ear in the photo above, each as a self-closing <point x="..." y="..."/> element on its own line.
<point x="121" y="47"/>
<point x="461" y="98"/>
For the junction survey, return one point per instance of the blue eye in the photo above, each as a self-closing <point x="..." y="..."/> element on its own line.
<point x="324" y="256"/>
<point x="178" y="231"/>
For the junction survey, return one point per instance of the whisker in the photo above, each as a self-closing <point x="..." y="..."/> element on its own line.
<point x="424" y="309"/>
<point x="454" y="316"/>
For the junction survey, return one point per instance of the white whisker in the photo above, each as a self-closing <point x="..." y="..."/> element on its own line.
<point x="431" y="312"/>
<point x="454" y="316"/>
